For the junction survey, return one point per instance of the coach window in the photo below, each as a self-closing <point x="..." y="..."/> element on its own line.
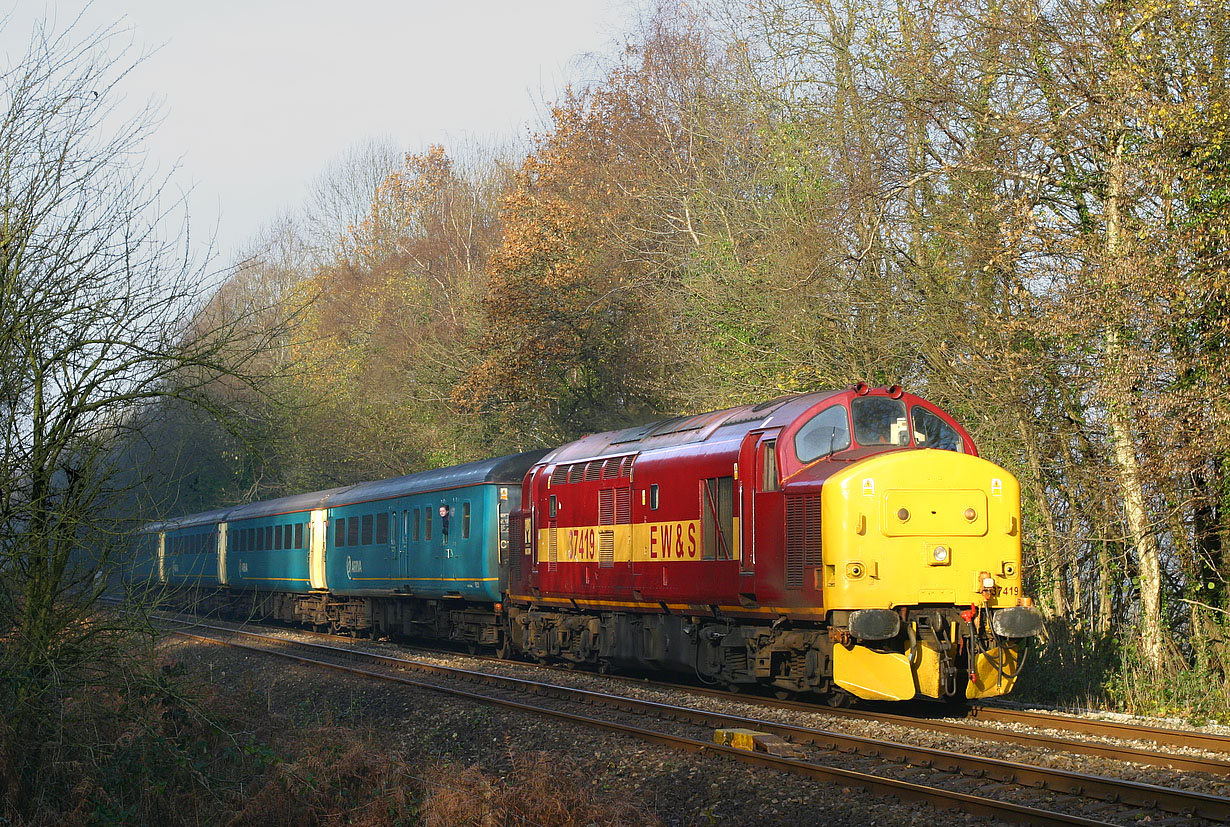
<point x="367" y="529"/>
<point x="352" y="531"/>
<point x="277" y="538"/>
<point x="289" y="540"/>
<point x="825" y="433"/>
<point x="268" y="537"/>
<point x="298" y="535"/>
<point x="382" y="527"/>
<point x="417" y="519"/>
<point x="465" y="520"/>
<point x="427" y="524"/>
<point x="339" y="532"/>
<point x="932" y="432"/>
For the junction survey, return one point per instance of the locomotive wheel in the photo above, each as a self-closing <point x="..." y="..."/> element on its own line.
<point x="838" y="699"/>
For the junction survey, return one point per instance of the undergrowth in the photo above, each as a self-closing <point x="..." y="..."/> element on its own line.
<point x="167" y="756"/>
<point x="1072" y="669"/>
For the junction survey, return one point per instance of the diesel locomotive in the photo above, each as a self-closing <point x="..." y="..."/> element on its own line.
<point x="841" y="543"/>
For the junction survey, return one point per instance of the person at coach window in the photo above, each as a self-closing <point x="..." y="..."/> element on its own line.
<point x="444" y="511"/>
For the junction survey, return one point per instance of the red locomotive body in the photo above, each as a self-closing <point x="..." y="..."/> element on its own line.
<point x="709" y="543"/>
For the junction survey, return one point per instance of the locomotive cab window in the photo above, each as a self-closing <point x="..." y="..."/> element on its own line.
<point x="653" y="496"/>
<point x="879" y="420"/>
<point x="932" y="432"/>
<point x="823" y="434"/>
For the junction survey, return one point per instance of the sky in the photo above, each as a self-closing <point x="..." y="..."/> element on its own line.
<point x="259" y="97"/>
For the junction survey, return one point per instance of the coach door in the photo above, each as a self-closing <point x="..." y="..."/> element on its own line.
<point x="316" y="548"/>
<point x="222" y="538"/>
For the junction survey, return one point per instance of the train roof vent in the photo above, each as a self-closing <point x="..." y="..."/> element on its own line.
<point x="610" y="468"/>
<point x="559" y="474"/>
<point x="625" y="466"/>
<point x="575" y="472"/>
<point x="634" y="434"/>
<point x="593" y="470"/>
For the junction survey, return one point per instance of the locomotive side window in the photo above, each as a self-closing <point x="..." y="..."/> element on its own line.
<point x="824" y="433"/>
<point x="768" y="464"/>
<point x="653" y="496"/>
<point x="717" y="498"/>
<point x="932" y="432"/>
<point x="879" y="420"/>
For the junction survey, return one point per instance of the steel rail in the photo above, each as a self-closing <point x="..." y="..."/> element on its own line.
<point x="1093" y="726"/>
<point x="1107" y="789"/>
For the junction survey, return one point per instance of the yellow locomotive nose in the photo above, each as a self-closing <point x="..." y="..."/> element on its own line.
<point x="925" y="526"/>
<point x="933" y="538"/>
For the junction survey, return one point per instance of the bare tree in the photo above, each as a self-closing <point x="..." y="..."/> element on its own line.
<point x="98" y="295"/>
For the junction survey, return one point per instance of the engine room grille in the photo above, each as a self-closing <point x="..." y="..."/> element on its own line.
<point x="516" y="546"/>
<point x="802" y="538"/>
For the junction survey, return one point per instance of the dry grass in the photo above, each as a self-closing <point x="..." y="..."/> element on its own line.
<point x="171" y="757"/>
<point x="534" y="792"/>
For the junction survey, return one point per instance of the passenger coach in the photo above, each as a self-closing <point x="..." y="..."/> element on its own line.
<point x="330" y="557"/>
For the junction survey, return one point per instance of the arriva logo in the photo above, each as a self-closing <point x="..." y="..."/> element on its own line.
<point x="353" y="566"/>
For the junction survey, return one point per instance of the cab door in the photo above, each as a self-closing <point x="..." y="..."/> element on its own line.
<point x="762" y="507"/>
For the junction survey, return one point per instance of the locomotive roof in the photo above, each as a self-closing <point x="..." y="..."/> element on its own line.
<point x="714" y="426"/>
<point x="508" y="469"/>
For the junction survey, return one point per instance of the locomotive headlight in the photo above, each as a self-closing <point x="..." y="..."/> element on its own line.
<point x="988" y="582"/>
<point x="940" y="554"/>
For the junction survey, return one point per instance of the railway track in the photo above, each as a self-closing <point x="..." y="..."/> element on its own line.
<point x="977" y="785"/>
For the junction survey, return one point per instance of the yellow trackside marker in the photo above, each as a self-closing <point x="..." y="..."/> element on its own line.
<point x="753" y="741"/>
